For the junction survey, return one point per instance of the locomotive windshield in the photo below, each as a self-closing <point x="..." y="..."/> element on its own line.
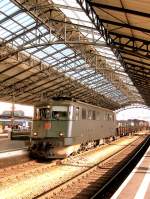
<point x="59" y="112"/>
<point x="54" y="113"/>
<point x="43" y="113"/>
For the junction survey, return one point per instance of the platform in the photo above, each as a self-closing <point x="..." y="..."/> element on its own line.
<point x="10" y="145"/>
<point x="137" y="184"/>
<point x="14" y="153"/>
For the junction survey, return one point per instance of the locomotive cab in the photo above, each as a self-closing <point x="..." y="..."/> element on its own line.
<point x="50" y="129"/>
<point x="50" y="121"/>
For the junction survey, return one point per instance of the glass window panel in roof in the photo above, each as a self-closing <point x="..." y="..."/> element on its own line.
<point x="72" y="3"/>
<point x="3" y="3"/>
<point x="31" y="50"/>
<point x="59" y="46"/>
<point x="67" y="51"/>
<point x="76" y="63"/>
<point x="48" y="59"/>
<point x="19" y="32"/>
<point x="81" y="61"/>
<point x="11" y="25"/>
<point x="14" y="27"/>
<point x="7" y="7"/>
<point x="64" y="67"/>
<point x="72" y="64"/>
<point x="19" y="41"/>
<point x="48" y="37"/>
<point x="92" y="36"/>
<point x="42" y="29"/>
<point x="2" y="16"/>
<point x="4" y="33"/>
<point x="30" y="35"/>
<point x="82" y="72"/>
<point x="76" y="75"/>
<point x="49" y="50"/>
<point x="40" y="54"/>
<point x="45" y="38"/>
<point x="23" y="19"/>
<point x="26" y="22"/>
<point x="30" y="26"/>
<point x="7" y="23"/>
<point x="58" y="56"/>
<point x="107" y="50"/>
<point x="81" y="22"/>
<point x="73" y="14"/>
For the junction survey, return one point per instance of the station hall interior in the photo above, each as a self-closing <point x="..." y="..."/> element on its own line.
<point x="74" y="98"/>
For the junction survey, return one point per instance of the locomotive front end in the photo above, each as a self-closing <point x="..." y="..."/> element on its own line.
<point x="50" y="127"/>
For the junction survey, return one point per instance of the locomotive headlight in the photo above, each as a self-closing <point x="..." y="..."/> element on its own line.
<point x="35" y="134"/>
<point x="61" y="134"/>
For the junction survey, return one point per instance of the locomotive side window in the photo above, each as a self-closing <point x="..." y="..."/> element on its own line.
<point x="110" y="117"/>
<point x="97" y="115"/>
<point x="77" y="113"/>
<point x="94" y="115"/>
<point x="89" y="115"/>
<point x="83" y="113"/>
<point x="60" y="113"/>
<point x="105" y="116"/>
<point x="42" y="114"/>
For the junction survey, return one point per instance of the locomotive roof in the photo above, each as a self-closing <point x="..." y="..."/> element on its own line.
<point x="68" y="102"/>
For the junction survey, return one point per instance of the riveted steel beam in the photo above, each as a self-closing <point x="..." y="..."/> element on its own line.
<point x="124" y="25"/>
<point x="135" y="61"/>
<point x="120" y="9"/>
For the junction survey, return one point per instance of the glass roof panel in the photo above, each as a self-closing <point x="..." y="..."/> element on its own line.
<point x="72" y="3"/>
<point x="58" y="56"/>
<point x="31" y="50"/>
<point x="40" y="54"/>
<point x="49" y="50"/>
<point x="7" y="23"/>
<point x="59" y="46"/>
<point x="7" y="7"/>
<point x="49" y="59"/>
<point x="2" y="16"/>
<point x="67" y="51"/>
<point x="22" y="18"/>
<point x="3" y="31"/>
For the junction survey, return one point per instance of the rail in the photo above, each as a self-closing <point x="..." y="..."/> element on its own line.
<point x="68" y="185"/>
<point x="124" y="171"/>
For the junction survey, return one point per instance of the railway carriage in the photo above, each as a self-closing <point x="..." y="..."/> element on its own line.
<point x="64" y="127"/>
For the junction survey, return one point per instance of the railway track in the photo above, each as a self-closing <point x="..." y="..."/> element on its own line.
<point x="39" y="180"/>
<point x="19" y="171"/>
<point x="91" y="183"/>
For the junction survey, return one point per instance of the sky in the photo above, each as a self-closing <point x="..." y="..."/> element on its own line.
<point x="28" y="110"/>
<point x="134" y="113"/>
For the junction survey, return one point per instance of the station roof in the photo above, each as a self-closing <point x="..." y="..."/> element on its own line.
<point x="54" y="48"/>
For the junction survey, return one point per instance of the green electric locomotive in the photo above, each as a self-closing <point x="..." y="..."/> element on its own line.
<point x="64" y="127"/>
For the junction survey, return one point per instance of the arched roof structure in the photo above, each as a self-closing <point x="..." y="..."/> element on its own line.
<point x="132" y="106"/>
<point x="54" y="48"/>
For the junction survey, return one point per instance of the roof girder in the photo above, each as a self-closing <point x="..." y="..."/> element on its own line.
<point x="120" y="9"/>
<point x="125" y="25"/>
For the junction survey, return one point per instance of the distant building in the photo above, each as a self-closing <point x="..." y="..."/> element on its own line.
<point x="18" y="113"/>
